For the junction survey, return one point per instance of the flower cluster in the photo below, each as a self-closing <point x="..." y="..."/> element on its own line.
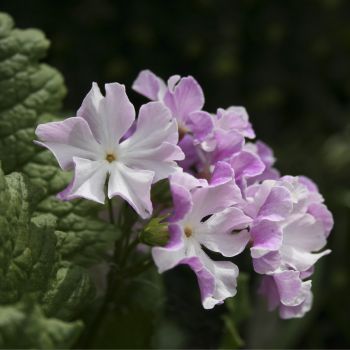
<point x="226" y="194"/>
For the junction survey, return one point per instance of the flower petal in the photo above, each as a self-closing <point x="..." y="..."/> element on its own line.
<point x="222" y="173"/>
<point x="186" y="98"/>
<point x="173" y="253"/>
<point x="89" y="110"/>
<point x="267" y="236"/>
<point x="235" y="117"/>
<point x="109" y="117"/>
<point x="216" y="232"/>
<point x="69" y="138"/>
<point x="212" y="199"/>
<point x="153" y="144"/>
<point x="182" y="202"/>
<point x="321" y="213"/>
<point x="201" y="125"/>
<point x="268" y="263"/>
<point x="89" y="180"/>
<point x="304" y="233"/>
<point x="246" y="164"/>
<point x="298" y="311"/>
<point x="155" y="125"/>
<point x="268" y="201"/>
<point x="149" y="85"/>
<point x="227" y="143"/>
<point x="132" y="185"/>
<point x="217" y="279"/>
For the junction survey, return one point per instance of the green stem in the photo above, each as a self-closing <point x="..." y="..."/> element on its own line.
<point x="110" y="211"/>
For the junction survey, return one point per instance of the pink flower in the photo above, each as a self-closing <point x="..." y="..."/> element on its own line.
<point x="92" y="144"/>
<point x="290" y="227"/>
<point x="204" y="216"/>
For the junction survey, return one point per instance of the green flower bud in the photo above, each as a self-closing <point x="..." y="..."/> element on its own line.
<point x="156" y="232"/>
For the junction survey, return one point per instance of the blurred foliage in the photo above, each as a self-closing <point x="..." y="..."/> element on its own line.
<point x="288" y="63"/>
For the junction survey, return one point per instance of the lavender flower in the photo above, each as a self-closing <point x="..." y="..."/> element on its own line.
<point x="90" y="143"/>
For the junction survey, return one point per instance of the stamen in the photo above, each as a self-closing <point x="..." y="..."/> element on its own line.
<point x="182" y="131"/>
<point x="188" y="231"/>
<point x="110" y="157"/>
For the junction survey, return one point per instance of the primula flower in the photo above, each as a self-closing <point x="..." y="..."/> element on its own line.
<point x="92" y="143"/>
<point x="191" y="229"/>
<point x="183" y="96"/>
<point x="291" y="225"/>
<point x="185" y="99"/>
<point x="232" y="123"/>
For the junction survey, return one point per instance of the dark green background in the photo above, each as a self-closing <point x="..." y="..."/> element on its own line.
<point x="287" y="62"/>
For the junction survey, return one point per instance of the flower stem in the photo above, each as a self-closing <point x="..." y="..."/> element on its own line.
<point x="110" y="211"/>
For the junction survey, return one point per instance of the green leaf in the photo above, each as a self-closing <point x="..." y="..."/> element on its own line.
<point x="32" y="93"/>
<point x="30" y="263"/>
<point x="24" y="325"/>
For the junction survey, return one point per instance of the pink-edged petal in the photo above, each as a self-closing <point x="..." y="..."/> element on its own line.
<point x="268" y="263"/>
<point x="217" y="279"/>
<point x="149" y="85"/>
<point x="227" y="143"/>
<point x="173" y="253"/>
<point x="109" y="117"/>
<point x="321" y="213"/>
<point x="117" y="114"/>
<point x="308" y="183"/>
<point x="298" y="311"/>
<point x="132" y="185"/>
<point x="154" y="126"/>
<point x="153" y="144"/>
<point x="187" y="181"/>
<point x="300" y="260"/>
<point x="268" y="201"/>
<point x="69" y="138"/>
<point x="222" y="173"/>
<point x="267" y="237"/>
<point x="289" y="286"/>
<point x="191" y="153"/>
<point x="186" y="98"/>
<point x="212" y="199"/>
<point x="159" y="160"/>
<point x="305" y="234"/>
<point x="265" y="153"/>
<point x="236" y="117"/>
<point x="182" y="202"/>
<point x="172" y="81"/>
<point x="88" y="182"/>
<point x="201" y="124"/>
<point x="216" y="232"/>
<point x="246" y="164"/>
<point x="89" y="110"/>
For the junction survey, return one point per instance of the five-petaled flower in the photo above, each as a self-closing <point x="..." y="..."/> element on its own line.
<point x="205" y="215"/>
<point x="92" y="143"/>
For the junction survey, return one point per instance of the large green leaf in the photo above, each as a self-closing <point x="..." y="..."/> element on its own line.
<point x="24" y="325"/>
<point x="30" y="263"/>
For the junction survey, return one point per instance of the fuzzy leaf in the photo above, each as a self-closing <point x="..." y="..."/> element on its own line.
<point x="25" y="326"/>
<point x="30" y="263"/>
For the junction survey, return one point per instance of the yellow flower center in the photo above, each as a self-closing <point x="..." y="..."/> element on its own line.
<point x="188" y="231"/>
<point x="111" y="157"/>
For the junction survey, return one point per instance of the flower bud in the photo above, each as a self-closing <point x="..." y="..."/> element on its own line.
<point x="156" y="232"/>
